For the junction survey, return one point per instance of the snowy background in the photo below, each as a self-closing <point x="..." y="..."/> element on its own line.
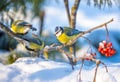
<point x="39" y="70"/>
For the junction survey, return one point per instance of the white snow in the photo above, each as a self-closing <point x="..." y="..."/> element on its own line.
<point x="38" y="70"/>
<point x="105" y="77"/>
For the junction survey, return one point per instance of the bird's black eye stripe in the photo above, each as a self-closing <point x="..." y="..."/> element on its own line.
<point x="57" y="32"/>
<point x="58" y="29"/>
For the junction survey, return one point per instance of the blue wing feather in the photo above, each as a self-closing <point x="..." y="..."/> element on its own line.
<point x="24" y="24"/>
<point x="70" y="32"/>
<point x="34" y="40"/>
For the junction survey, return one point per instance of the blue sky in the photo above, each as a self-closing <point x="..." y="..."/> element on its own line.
<point x="87" y="16"/>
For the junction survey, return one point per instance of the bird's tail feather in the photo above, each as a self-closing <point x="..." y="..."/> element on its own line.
<point x="33" y="28"/>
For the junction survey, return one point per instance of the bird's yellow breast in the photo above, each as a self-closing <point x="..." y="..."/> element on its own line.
<point x="36" y="46"/>
<point x="63" y="38"/>
<point x="18" y="29"/>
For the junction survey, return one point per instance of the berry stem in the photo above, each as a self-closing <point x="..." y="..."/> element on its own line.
<point x="107" y="34"/>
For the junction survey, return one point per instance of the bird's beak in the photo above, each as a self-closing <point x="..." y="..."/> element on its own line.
<point x="55" y="33"/>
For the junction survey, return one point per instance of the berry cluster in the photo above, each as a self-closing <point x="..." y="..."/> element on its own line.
<point x="106" y="48"/>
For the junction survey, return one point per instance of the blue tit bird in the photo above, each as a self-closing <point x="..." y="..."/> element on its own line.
<point x="65" y="34"/>
<point x="33" y="44"/>
<point x="21" y="27"/>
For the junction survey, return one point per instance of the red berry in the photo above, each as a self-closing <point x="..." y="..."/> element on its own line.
<point x="102" y="52"/>
<point x="113" y="52"/>
<point x="101" y="45"/>
<point x="107" y="54"/>
<point x="87" y="59"/>
<point x="109" y="49"/>
<point x="100" y="49"/>
<point x="105" y="50"/>
<point x="109" y="44"/>
<point x="104" y="43"/>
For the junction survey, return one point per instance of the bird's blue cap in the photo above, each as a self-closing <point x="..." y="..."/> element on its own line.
<point x="57" y="29"/>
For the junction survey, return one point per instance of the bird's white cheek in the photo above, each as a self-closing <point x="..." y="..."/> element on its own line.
<point x="58" y="34"/>
<point x="27" y="29"/>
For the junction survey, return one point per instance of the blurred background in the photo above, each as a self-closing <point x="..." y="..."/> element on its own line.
<point x="45" y="15"/>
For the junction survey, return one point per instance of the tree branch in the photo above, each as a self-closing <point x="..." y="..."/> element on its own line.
<point x="74" y="13"/>
<point x="42" y="16"/>
<point x="52" y="48"/>
<point x="98" y="62"/>
<point x="66" y="3"/>
<point x="88" y="31"/>
<point x="8" y="31"/>
<point x="73" y="23"/>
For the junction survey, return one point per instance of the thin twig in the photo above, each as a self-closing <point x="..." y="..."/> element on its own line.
<point x="96" y="69"/>
<point x="81" y="70"/>
<point x="66" y="3"/>
<point x="105" y="66"/>
<point x="98" y="62"/>
<point x="90" y="44"/>
<point x="70" y="58"/>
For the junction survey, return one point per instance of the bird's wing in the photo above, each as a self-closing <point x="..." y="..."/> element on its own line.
<point x="38" y="38"/>
<point x="69" y="31"/>
<point x="23" y="23"/>
<point x="34" y="40"/>
<point x="28" y="25"/>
